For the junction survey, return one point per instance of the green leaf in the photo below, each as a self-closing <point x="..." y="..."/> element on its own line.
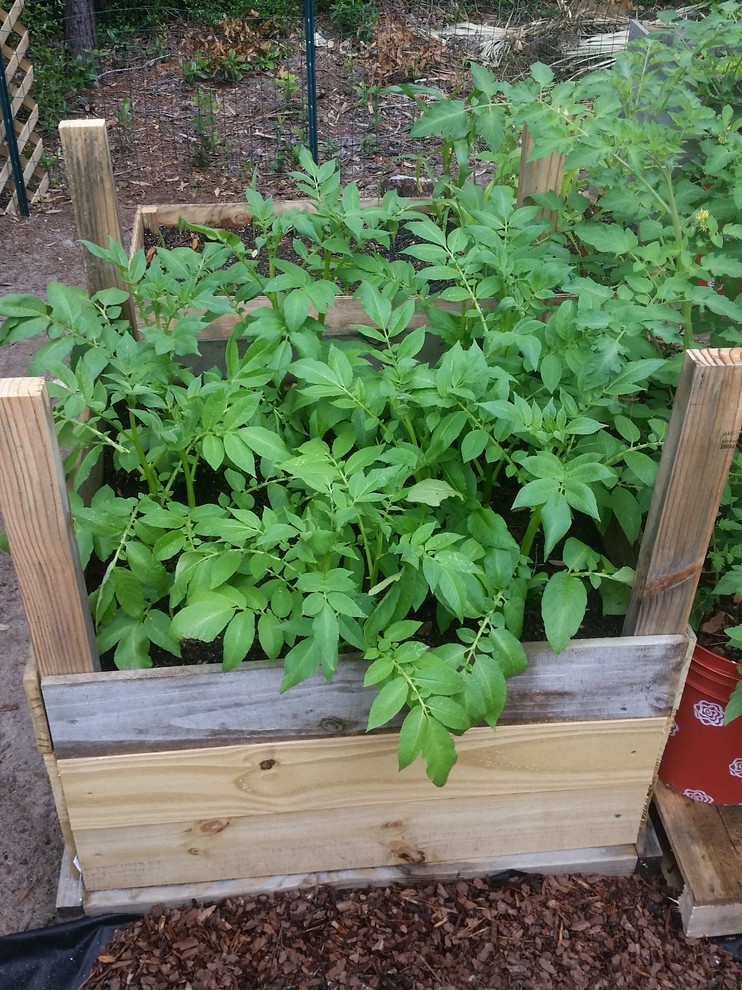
<point x="203" y="619"/>
<point x="445" y="118"/>
<point x="543" y="75"/>
<point x="128" y="592"/>
<point x="213" y="451"/>
<point x="556" y="518"/>
<point x="563" y="605"/>
<point x="551" y="371"/>
<point x="449" y="712"/>
<point x="438" y="752"/>
<point x="485" y="690"/>
<point x="132" y="652"/>
<point x="377" y="306"/>
<point x="643" y="467"/>
<point x="326" y="635"/>
<point x="411" y="735"/>
<point x="238" y="638"/>
<point x="295" y="309"/>
<point x="510" y="653"/>
<point x="265" y="443"/>
<point x="270" y="635"/>
<point x="430" y="492"/>
<point x="627" y="428"/>
<point x="300" y="663"/>
<point x="473" y="444"/>
<point x="433" y="676"/>
<point x="610" y="238"/>
<point x="626" y="509"/>
<point x="388" y="702"/>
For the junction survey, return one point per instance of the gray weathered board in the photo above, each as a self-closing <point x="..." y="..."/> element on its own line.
<point x="137" y="711"/>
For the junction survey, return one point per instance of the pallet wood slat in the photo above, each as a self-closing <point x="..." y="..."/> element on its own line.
<point x="223" y="847"/>
<point x="256" y="779"/>
<point x="33" y="500"/>
<point x="618" y="860"/>
<point x="701" y="440"/>
<point x="706" y="840"/>
<point x="132" y="711"/>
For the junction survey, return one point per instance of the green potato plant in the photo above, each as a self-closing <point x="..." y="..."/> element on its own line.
<point x="411" y="492"/>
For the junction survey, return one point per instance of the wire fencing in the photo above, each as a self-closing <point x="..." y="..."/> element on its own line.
<point x="203" y="106"/>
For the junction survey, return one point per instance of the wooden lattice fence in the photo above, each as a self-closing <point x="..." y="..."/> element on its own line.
<point x="24" y="111"/>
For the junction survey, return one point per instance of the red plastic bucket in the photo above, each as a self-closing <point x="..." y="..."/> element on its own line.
<point x="703" y="757"/>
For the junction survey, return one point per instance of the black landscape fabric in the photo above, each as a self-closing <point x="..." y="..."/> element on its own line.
<point x="59" y="957"/>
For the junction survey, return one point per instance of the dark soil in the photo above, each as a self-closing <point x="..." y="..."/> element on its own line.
<point x="711" y="632"/>
<point x="523" y="933"/>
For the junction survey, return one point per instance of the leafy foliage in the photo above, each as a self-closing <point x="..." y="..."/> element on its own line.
<point x="406" y="490"/>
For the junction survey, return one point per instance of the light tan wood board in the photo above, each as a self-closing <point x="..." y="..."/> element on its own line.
<point x="89" y="173"/>
<point x="38" y="521"/>
<point x="620" y="860"/>
<point x="235" y="811"/>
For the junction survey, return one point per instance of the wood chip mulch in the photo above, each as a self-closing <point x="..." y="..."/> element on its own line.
<point x="526" y="932"/>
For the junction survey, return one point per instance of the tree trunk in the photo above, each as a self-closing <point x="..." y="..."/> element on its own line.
<point x="80" y="33"/>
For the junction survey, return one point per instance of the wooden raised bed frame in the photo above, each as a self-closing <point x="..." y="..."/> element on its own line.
<point x="191" y="782"/>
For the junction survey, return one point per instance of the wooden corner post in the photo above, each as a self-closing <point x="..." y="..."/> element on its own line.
<point x="87" y="162"/>
<point x="38" y="521"/>
<point x="540" y="175"/>
<point x="701" y="440"/>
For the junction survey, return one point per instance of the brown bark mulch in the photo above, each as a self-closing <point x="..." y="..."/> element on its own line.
<point x="526" y="932"/>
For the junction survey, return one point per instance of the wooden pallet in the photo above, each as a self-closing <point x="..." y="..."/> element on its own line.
<point x="706" y="840"/>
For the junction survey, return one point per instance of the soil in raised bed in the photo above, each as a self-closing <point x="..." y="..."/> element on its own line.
<point x="521" y="933"/>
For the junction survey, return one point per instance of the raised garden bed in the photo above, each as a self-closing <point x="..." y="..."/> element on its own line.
<point x="188" y="782"/>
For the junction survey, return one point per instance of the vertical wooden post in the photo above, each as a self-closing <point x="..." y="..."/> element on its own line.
<point x="38" y="521"/>
<point x="539" y="176"/>
<point x="701" y="440"/>
<point x="87" y="161"/>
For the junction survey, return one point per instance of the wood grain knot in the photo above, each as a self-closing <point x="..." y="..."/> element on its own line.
<point x="214" y="826"/>
<point x="408" y="854"/>
<point x="267" y="764"/>
<point x="332" y="725"/>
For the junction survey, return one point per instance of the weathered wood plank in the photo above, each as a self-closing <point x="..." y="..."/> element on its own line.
<point x="135" y="711"/>
<point x="35" y="508"/>
<point x="449" y="829"/>
<point x="701" y="440"/>
<point x="70" y="889"/>
<point x="87" y="165"/>
<point x="258" y="779"/>
<point x="705" y="841"/>
<point x="619" y="860"/>
<point x="32" y="690"/>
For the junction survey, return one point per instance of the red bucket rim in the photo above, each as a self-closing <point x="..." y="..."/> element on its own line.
<point x="715" y="663"/>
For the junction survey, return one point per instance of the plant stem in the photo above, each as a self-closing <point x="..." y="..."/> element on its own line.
<point x="530" y="534"/>
<point x="188" y="478"/>
<point x="152" y="483"/>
